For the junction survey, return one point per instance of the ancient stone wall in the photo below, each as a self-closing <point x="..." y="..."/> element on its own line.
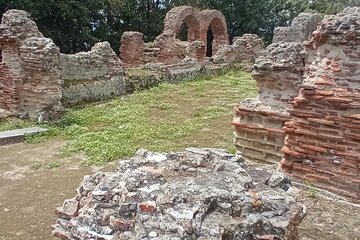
<point x="311" y="93"/>
<point x="91" y="76"/>
<point x="41" y="87"/>
<point x="132" y="49"/>
<point x="29" y="74"/>
<point x="258" y="122"/>
<point x="323" y="133"/>
<point x="278" y="72"/>
<point x="244" y="49"/>
<point x="301" y="28"/>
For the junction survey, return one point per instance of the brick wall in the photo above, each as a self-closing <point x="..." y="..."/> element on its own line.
<point x="311" y="94"/>
<point x="132" y="49"/>
<point x="258" y="122"/>
<point x="41" y="87"/>
<point x="29" y="74"/>
<point x="10" y="78"/>
<point x="323" y="134"/>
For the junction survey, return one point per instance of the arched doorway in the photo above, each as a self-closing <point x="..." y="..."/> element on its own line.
<point x="213" y="31"/>
<point x="177" y="17"/>
<point x="183" y="32"/>
<point x="209" y="42"/>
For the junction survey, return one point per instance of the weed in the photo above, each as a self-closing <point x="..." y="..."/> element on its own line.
<point x="311" y="191"/>
<point x="232" y="150"/>
<point x="52" y="165"/>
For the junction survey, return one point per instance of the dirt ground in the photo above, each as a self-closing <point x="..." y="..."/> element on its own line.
<point x="34" y="180"/>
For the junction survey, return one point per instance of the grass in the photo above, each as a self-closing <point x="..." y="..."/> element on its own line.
<point x="168" y="117"/>
<point x="311" y="191"/>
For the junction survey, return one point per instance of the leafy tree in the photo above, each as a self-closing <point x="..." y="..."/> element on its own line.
<point x="331" y="6"/>
<point x="75" y="25"/>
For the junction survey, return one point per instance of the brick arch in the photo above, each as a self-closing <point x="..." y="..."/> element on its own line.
<point x="216" y="20"/>
<point x="176" y="16"/>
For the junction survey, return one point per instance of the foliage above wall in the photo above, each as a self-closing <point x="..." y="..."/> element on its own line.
<point x="75" y="25"/>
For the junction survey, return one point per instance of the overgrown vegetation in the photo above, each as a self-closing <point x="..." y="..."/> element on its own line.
<point x="165" y="118"/>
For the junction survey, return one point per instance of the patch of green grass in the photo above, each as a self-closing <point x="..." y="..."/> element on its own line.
<point x="232" y="150"/>
<point x="311" y="191"/>
<point x="52" y="165"/>
<point x="168" y="117"/>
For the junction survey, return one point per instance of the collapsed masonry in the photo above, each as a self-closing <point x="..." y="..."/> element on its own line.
<point x="196" y="194"/>
<point x="307" y="111"/>
<point x="36" y="80"/>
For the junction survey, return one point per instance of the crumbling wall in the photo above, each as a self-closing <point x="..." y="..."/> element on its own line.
<point x="91" y="76"/>
<point x="167" y="49"/>
<point x="301" y="28"/>
<point x="323" y="133"/>
<point x="29" y="77"/>
<point x="132" y="49"/>
<point x="278" y="72"/>
<point x="244" y="49"/>
<point x="312" y="93"/>
<point x="10" y="77"/>
<point x="258" y="122"/>
<point x="41" y="87"/>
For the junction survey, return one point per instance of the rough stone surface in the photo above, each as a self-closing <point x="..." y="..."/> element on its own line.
<point x="29" y="68"/>
<point x="308" y="106"/>
<point x="259" y="121"/>
<point x="142" y="78"/>
<point x="244" y="49"/>
<point x="196" y="194"/>
<point x="323" y="136"/>
<point x="91" y="76"/>
<point x="301" y="28"/>
<point x="132" y="49"/>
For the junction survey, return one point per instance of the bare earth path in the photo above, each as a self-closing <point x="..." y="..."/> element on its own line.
<point x="34" y="181"/>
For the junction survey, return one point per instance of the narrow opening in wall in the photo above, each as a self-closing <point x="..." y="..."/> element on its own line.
<point x="183" y="33"/>
<point x="209" y="44"/>
<point x="1" y="58"/>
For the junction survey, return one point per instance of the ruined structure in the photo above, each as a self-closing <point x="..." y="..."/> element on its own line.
<point x="244" y="49"/>
<point x="30" y="81"/>
<point x="308" y="105"/>
<point x="323" y="133"/>
<point x="301" y="28"/>
<point x="36" y="81"/>
<point x="91" y="76"/>
<point x="168" y="49"/>
<point x="196" y="194"/>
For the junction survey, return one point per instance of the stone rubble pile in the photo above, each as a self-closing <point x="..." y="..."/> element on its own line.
<point x="195" y="194"/>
